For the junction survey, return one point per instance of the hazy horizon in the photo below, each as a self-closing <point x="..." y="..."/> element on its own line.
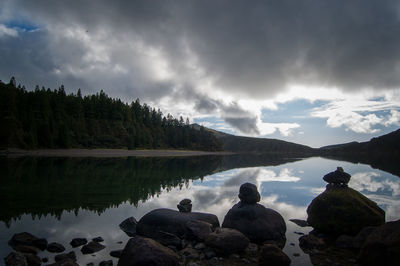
<point x="311" y="72"/>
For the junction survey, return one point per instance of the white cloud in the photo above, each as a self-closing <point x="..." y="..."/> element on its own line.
<point x="285" y="129"/>
<point x="365" y="182"/>
<point x="5" y="31"/>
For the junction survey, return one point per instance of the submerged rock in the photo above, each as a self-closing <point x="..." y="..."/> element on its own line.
<point x="27" y="239"/>
<point x="55" y="247"/>
<point x="145" y="251"/>
<point x="172" y="222"/>
<point x="92" y="247"/>
<point x="342" y="210"/>
<point x="65" y="256"/>
<point x="227" y="241"/>
<point x="76" y="242"/>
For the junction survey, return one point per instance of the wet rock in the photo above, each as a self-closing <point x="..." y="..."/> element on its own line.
<point x="98" y="239"/>
<point x="301" y="223"/>
<point x="129" y="226"/>
<point x="185" y="205"/>
<point x="27" y="239"/>
<point x="342" y="210"/>
<point x="382" y="246"/>
<point x="65" y="256"/>
<point x="15" y="259"/>
<point x="33" y="260"/>
<point x="338" y="177"/>
<point x="248" y="193"/>
<point x="67" y="262"/>
<point x="227" y="241"/>
<point x="168" y="239"/>
<point x="106" y="263"/>
<point x="189" y="253"/>
<point x="272" y="255"/>
<point x="198" y="229"/>
<point x="55" y="247"/>
<point x="76" y="242"/>
<point x="256" y="222"/>
<point x="310" y="241"/>
<point x="92" y="247"/>
<point x="345" y="241"/>
<point x="116" y="253"/>
<point x="145" y="251"/>
<point x="27" y="249"/>
<point x="171" y="221"/>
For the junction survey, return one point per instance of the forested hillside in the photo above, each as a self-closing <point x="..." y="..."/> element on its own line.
<point x="46" y="118"/>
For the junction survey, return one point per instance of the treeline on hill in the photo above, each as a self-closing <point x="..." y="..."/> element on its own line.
<point x="46" y="118"/>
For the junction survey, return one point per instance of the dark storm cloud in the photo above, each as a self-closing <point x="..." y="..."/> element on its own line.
<point x="247" y="49"/>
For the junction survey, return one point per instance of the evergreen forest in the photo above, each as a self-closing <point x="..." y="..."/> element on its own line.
<point x="45" y="118"/>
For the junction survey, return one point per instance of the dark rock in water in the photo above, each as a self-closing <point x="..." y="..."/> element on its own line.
<point x="98" y="239"/>
<point x="301" y="223"/>
<point x="106" y="263"/>
<point x="116" y="253"/>
<point x="67" y="262"/>
<point x="198" y="229"/>
<point x="171" y="221"/>
<point x="45" y="259"/>
<point x="76" y="242"/>
<point x="256" y="222"/>
<point x="92" y="247"/>
<point x="382" y="246"/>
<point x="129" y="226"/>
<point x="362" y="236"/>
<point x="15" y="259"/>
<point x="345" y="241"/>
<point x="145" y="251"/>
<point x="310" y="242"/>
<point x="27" y="249"/>
<point x="185" y="205"/>
<point x="55" y="247"/>
<point x="338" y="177"/>
<point x="27" y="239"/>
<point x="227" y="241"/>
<point x="65" y="256"/>
<point x="342" y="210"/>
<point x="271" y="255"/>
<point x="168" y="239"/>
<point x="248" y="193"/>
<point x="33" y="260"/>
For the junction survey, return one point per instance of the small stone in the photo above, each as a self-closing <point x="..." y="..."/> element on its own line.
<point x="106" y="263"/>
<point x="64" y="256"/>
<point x="299" y="233"/>
<point x="200" y="246"/>
<point x="248" y="193"/>
<point x="55" y="247"/>
<point x="185" y="205"/>
<point x="45" y="259"/>
<point x="292" y="244"/>
<point x="120" y="242"/>
<point x="98" y="239"/>
<point x="246" y="261"/>
<point x="252" y="248"/>
<point x="76" y="242"/>
<point x="234" y="256"/>
<point x="296" y="254"/>
<point x="92" y="247"/>
<point x="15" y="259"/>
<point x="202" y="256"/>
<point x="116" y="253"/>
<point x="214" y="261"/>
<point x="192" y="264"/>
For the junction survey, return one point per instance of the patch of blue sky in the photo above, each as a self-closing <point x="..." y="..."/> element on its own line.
<point x="215" y="123"/>
<point x="21" y="25"/>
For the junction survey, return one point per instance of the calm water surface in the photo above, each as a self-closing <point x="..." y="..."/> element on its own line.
<point x="64" y="198"/>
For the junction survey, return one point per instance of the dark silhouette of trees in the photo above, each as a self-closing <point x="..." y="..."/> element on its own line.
<point x="52" y="119"/>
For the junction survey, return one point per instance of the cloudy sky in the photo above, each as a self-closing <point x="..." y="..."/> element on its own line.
<point x="315" y="72"/>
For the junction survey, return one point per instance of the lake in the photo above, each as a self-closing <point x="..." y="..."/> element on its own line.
<point x="64" y="198"/>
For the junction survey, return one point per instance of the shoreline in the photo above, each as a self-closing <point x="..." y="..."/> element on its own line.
<point x="12" y="153"/>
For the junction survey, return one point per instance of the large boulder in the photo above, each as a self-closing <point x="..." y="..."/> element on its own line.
<point x="171" y="221"/>
<point x="227" y="241"/>
<point x="382" y="246"/>
<point x="342" y="210"/>
<point x="146" y="251"/>
<point x="256" y="222"/>
<point x="129" y="226"/>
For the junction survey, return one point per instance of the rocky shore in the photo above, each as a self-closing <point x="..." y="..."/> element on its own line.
<point x="349" y="229"/>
